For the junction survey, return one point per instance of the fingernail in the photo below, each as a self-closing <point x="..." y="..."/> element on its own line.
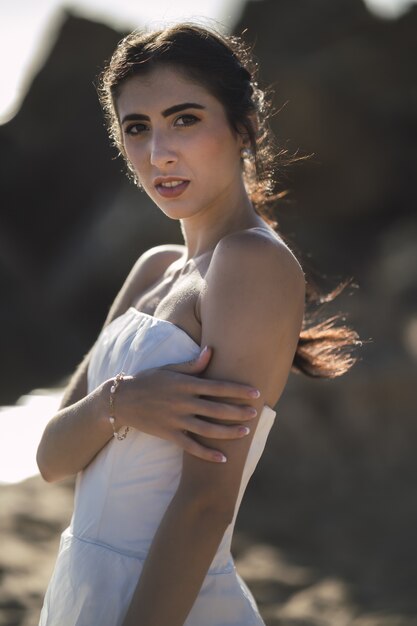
<point x="204" y="350"/>
<point x="220" y="457"/>
<point x="244" y="430"/>
<point x="254" y="393"/>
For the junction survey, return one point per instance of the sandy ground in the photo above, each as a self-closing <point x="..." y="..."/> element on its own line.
<point x="33" y="513"/>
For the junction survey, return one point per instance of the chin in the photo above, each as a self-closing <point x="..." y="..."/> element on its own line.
<point x="174" y="213"/>
<point x="177" y="209"/>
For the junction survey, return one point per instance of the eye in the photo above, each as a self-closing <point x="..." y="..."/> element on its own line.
<point x="135" y="129"/>
<point x="187" y="119"/>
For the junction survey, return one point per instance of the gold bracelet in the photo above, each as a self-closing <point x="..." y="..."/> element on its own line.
<point x="113" y="389"/>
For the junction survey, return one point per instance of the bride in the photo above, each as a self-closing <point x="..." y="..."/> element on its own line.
<point x="163" y="450"/>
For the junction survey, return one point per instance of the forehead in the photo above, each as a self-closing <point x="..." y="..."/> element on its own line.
<point x="160" y="88"/>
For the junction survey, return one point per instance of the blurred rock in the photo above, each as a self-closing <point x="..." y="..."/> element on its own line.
<point x="346" y="86"/>
<point x="72" y="225"/>
<point x="327" y="603"/>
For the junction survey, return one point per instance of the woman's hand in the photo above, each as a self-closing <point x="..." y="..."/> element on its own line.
<point x="167" y="402"/>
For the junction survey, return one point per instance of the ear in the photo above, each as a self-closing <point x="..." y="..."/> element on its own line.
<point x="243" y="133"/>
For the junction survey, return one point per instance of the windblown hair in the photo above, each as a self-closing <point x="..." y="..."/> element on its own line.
<point x="226" y="67"/>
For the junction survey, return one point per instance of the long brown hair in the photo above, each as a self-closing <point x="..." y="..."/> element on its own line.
<point x="226" y="67"/>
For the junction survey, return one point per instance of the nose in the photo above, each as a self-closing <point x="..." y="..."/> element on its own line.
<point x="162" y="153"/>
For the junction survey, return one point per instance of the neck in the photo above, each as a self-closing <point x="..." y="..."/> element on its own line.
<point x="203" y="231"/>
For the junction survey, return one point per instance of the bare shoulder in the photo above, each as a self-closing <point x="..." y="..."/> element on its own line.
<point x="165" y="252"/>
<point x="260" y="260"/>
<point x="148" y="268"/>
<point x="152" y="263"/>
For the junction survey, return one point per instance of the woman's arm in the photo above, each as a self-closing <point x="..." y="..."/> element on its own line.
<point x="160" y="401"/>
<point x="252" y="312"/>
<point x="74" y="436"/>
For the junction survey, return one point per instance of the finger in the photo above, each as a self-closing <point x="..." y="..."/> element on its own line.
<point x="195" y="366"/>
<point x="222" y="410"/>
<point x="216" y="431"/>
<point x="219" y="388"/>
<point x="200" y="451"/>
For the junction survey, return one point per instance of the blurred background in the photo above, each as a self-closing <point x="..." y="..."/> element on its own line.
<point x="326" y="535"/>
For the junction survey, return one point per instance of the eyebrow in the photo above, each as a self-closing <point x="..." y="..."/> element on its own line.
<point x="174" y="109"/>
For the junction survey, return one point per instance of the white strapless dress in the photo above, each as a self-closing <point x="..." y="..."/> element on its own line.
<point x="121" y="497"/>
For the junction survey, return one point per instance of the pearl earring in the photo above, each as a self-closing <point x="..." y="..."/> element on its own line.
<point x="246" y="153"/>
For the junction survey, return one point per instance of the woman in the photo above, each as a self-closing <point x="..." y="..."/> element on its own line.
<point x="159" y="484"/>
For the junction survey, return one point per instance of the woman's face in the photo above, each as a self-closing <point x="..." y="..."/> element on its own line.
<point x="174" y="131"/>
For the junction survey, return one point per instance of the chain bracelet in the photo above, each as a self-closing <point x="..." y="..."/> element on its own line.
<point x="116" y="382"/>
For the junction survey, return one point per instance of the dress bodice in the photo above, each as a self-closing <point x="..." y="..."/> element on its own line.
<point x="121" y="496"/>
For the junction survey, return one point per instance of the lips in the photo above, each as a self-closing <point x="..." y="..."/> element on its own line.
<point x="168" y="191"/>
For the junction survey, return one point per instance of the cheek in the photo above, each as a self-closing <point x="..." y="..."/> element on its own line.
<point x="217" y="149"/>
<point x="135" y="155"/>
